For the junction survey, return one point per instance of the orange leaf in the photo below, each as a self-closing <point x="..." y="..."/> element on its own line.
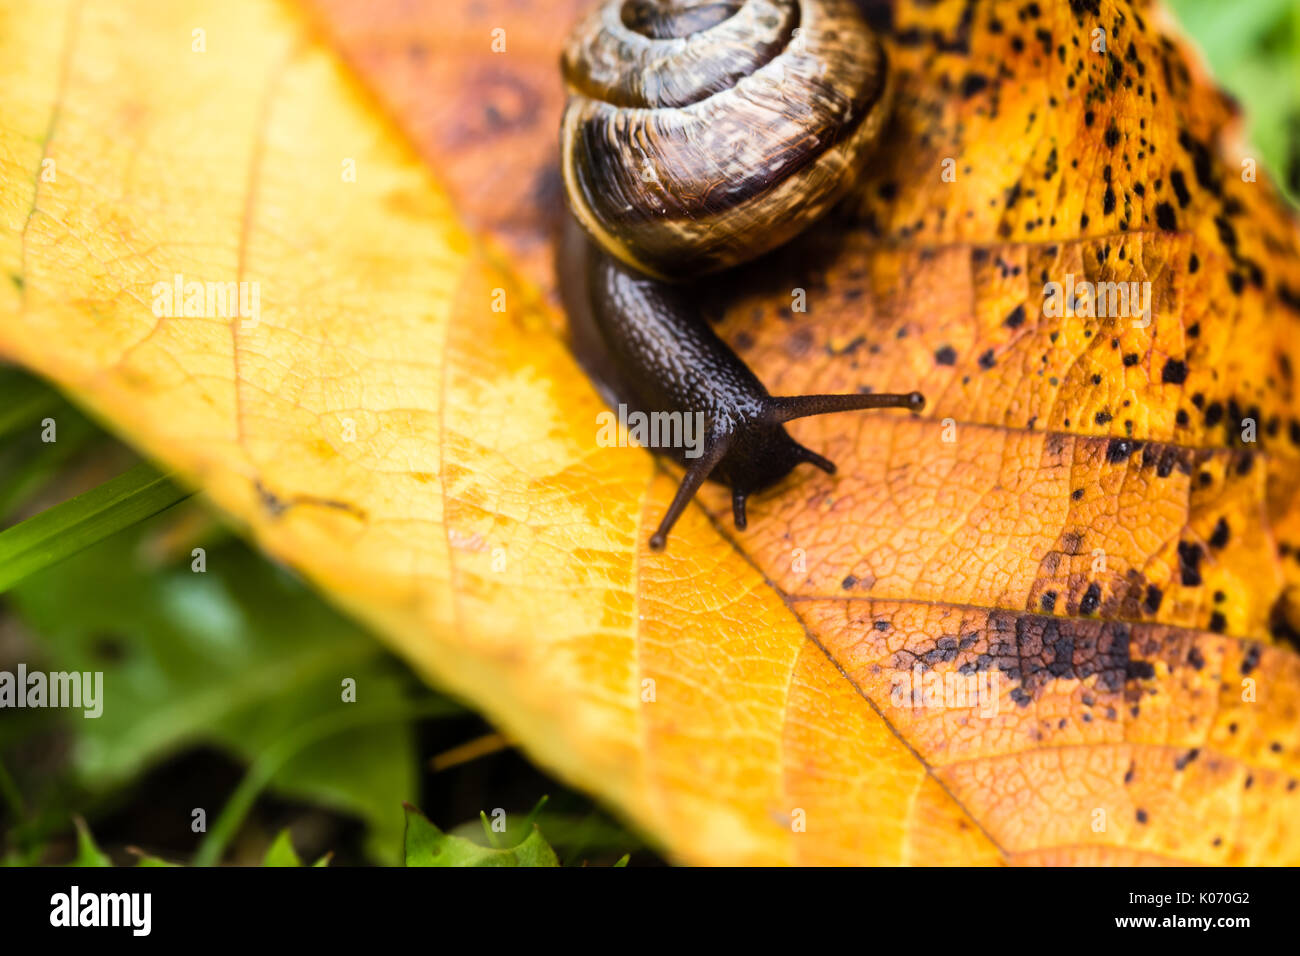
<point x="1051" y="526"/>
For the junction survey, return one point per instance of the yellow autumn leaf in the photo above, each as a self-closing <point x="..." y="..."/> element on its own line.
<point x="392" y="413"/>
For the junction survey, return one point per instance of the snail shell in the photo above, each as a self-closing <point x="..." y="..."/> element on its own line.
<point x="701" y="133"/>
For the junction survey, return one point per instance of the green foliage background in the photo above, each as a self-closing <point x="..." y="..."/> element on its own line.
<point x="1253" y="49"/>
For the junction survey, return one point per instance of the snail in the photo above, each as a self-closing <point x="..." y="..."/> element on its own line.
<point x="699" y="134"/>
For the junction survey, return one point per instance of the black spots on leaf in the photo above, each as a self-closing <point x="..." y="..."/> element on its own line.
<point x="847" y="349"/>
<point x="1181" y="418"/>
<point x="1130" y="359"/>
<point x="1016" y="318"/>
<point x="1013" y="195"/>
<point x="1116" y="71"/>
<point x="1140" y="189"/>
<point x="1254" y="272"/>
<point x="1165" y="458"/>
<point x="1250" y="660"/>
<point x="1227" y="234"/>
<point x="881" y="625"/>
<point x="1112" y="135"/>
<point x="1180" y="187"/>
<point x="1091" y="599"/>
<point x="945" y="355"/>
<point x="1119" y="449"/>
<point x="1166" y="218"/>
<point x="1141" y="815"/>
<point x="918" y="37"/>
<point x="1202" y="164"/>
<point x="1108" y="200"/>
<point x="945" y="651"/>
<point x="1102" y="417"/>
<point x="1048" y="602"/>
<point x="1076" y="494"/>
<point x="1219" y="539"/>
<point x="1196" y="658"/>
<point x="1035" y="649"/>
<point x="1193" y="263"/>
<point x="1213" y="414"/>
<point x="1083" y="221"/>
<point x="1289" y="297"/>
<point x="1140" y="670"/>
<point x="1236" y="282"/>
<point x="1218" y="623"/>
<point x="1182" y="761"/>
<point x="1080" y="7"/>
<point x="849" y="583"/>
<point x="1174" y="372"/>
<point x="1280" y="626"/>
<point x="1089" y="117"/>
<point x="1096" y="379"/>
<point x="973" y="83"/>
<point x="1045" y="38"/>
<point x="1189" y="563"/>
<point x="987" y="360"/>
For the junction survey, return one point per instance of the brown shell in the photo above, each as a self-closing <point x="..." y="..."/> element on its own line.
<point x="685" y="155"/>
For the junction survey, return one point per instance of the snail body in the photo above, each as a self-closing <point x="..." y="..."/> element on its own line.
<point x="698" y="135"/>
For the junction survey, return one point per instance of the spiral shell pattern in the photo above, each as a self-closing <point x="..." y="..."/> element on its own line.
<point x="701" y="133"/>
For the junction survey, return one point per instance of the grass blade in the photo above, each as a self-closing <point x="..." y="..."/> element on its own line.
<point x="65" y="529"/>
